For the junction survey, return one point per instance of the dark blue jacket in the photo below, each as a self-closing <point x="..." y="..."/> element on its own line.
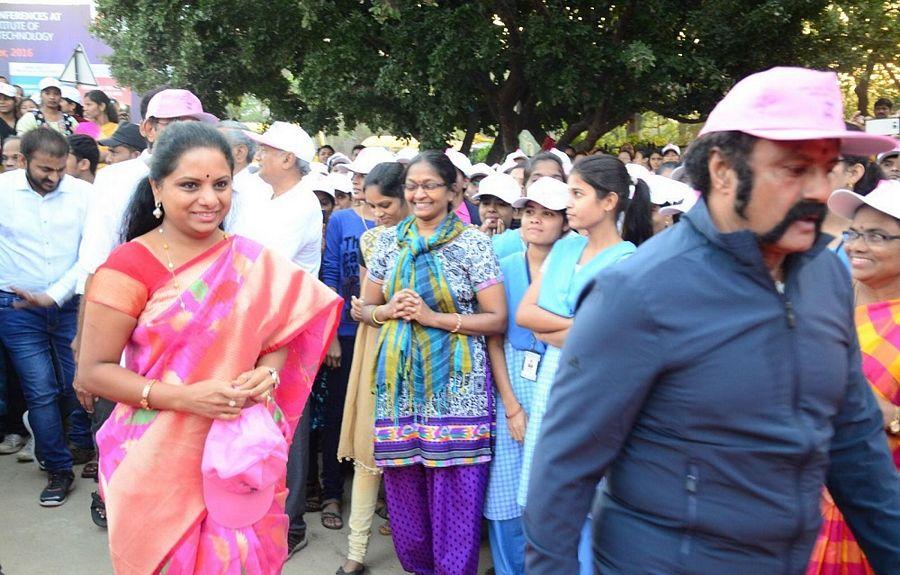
<point x="714" y="405"/>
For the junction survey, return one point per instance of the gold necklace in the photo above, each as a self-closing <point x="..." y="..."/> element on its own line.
<point x="171" y="266"/>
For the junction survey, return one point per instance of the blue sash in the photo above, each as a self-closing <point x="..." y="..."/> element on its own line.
<point x="516" y="280"/>
<point x="562" y="284"/>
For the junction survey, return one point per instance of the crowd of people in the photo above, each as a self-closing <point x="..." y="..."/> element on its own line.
<point x="644" y="362"/>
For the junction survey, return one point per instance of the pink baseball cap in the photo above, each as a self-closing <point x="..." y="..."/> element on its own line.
<point x="791" y="104"/>
<point x="89" y="129"/>
<point x="178" y="104"/>
<point x="243" y="462"/>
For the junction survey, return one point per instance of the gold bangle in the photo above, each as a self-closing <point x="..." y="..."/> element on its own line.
<point x="375" y="319"/>
<point x="145" y="394"/>
<point x="458" y="323"/>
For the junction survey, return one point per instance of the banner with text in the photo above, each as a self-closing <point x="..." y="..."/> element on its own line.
<point x="37" y="40"/>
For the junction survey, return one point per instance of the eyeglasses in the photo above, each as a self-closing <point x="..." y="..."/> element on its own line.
<point x="427" y="186"/>
<point x="871" y="238"/>
<point x="10" y="158"/>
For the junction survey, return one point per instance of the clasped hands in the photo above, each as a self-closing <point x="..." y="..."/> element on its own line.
<point x="221" y="399"/>
<point x="408" y="305"/>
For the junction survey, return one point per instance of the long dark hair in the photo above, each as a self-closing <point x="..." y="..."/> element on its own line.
<point x="99" y="97"/>
<point x="388" y="176"/>
<point x="606" y="175"/>
<point x="177" y="139"/>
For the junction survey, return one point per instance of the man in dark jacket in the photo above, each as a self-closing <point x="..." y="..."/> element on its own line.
<point x="714" y="377"/>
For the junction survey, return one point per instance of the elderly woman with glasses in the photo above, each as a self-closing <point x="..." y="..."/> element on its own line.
<point x="435" y="291"/>
<point x="872" y="243"/>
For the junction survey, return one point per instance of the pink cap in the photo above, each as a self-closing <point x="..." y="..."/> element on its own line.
<point x="178" y="104"/>
<point x="243" y="461"/>
<point x="89" y="129"/>
<point x="791" y="104"/>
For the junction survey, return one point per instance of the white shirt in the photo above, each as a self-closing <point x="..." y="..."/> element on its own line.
<point x="39" y="235"/>
<point x="247" y="189"/>
<point x="113" y="188"/>
<point x="289" y="224"/>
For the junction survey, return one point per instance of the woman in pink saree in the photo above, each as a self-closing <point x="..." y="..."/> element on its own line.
<point x="210" y="326"/>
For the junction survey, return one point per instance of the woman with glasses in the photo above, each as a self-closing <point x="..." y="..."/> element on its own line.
<point x="872" y="243"/>
<point x="8" y="113"/>
<point x="434" y="288"/>
<point x="857" y="174"/>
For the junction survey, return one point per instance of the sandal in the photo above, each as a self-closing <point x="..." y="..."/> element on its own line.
<point x="385" y="529"/>
<point x="98" y="510"/>
<point x="381" y="509"/>
<point x="313" y="503"/>
<point x="91" y="468"/>
<point x="332" y="519"/>
<point x="359" y="571"/>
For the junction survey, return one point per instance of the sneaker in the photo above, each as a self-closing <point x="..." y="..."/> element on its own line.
<point x="58" y="487"/>
<point x="12" y="443"/>
<point x="26" y="454"/>
<point x="296" y="542"/>
<point x="82" y="455"/>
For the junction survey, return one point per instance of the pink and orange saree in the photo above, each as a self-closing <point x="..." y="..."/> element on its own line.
<point x="878" y="327"/>
<point x="242" y="302"/>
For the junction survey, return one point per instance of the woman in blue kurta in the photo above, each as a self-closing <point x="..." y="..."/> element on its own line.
<point x="602" y="196"/>
<point x="514" y="361"/>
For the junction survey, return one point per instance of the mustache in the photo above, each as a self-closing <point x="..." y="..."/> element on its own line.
<point x="803" y="210"/>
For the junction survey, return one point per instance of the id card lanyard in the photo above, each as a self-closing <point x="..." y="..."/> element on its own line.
<point x="532" y="361"/>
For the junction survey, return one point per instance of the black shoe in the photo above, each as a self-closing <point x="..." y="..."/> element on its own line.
<point x="82" y="455"/>
<point x="58" y="488"/>
<point x="296" y="542"/>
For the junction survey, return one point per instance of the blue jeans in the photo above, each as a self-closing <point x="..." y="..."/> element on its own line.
<point x="38" y="341"/>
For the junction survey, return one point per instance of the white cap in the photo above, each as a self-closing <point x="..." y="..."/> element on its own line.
<point x="368" y="158"/>
<point x="637" y="171"/>
<point x="564" y="158"/>
<point x="885" y="198"/>
<point x="405" y="155"/>
<point x="889" y="153"/>
<point x="671" y="147"/>
<point x="462" y="163"/>
<point x="336" y="159"/>
<point x="546" y="191"/>
<point x="288" y="138"/>
<point x="49" y="83"/>
<point x="318" y="168"/>
<point x="341" y="182"/>
<point x="317" y="182"/>
<point x="71" y="93"/>
<point x="508" y="165"/>
<point x="666" y="190"/>
<point x="480" y="169"/>
<point x="517" y="155"/>
<point x="501" y="186"/>
<point x="683" y="206"/>
<point x="8" y="90"/>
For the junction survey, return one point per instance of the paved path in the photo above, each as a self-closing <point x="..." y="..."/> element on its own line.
<point x="63" y="540"/>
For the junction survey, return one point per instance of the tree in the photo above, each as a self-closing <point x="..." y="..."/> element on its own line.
<point x="428" y="69"/>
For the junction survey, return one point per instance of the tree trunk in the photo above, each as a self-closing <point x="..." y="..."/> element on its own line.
<point x="471" y="130"/>
<point x="572" y="131"/>
<point x="495" y="154"/>
<point x="862" y="85"/>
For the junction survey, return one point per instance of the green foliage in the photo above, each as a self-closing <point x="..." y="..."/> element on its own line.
<point x="430" y="69"/>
